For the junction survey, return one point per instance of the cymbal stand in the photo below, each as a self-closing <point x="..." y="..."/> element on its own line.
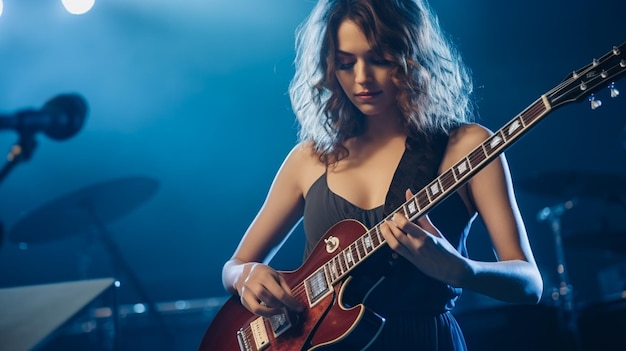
<point x="563" y="296"/>
<point x="121" y="264"/>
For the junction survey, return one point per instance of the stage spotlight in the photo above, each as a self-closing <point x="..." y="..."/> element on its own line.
<point x="1" y="5"/>
<point x="78" y="7"/>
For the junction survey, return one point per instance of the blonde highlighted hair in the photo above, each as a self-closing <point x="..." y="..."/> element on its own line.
<point x="434" y="85"/>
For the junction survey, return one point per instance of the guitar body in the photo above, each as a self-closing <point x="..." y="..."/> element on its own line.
<point x="325" y="325"/>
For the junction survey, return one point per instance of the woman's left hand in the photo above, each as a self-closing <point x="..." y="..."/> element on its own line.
<point x="423" y="245"/>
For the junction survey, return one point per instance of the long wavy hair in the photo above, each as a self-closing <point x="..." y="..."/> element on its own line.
<point x="434" y="86"/>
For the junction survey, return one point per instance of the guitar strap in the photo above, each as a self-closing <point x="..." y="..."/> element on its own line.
<point x="418" y="166"/>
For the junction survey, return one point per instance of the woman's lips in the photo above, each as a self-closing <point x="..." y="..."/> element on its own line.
<point x="367" y="95"/>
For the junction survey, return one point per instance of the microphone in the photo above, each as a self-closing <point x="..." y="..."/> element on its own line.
<point x="60" y="118"/>
<point x="556" y="210"/>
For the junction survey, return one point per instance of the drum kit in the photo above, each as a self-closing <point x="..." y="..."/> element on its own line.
<point x="562" y="320"/>
<point x="574" y="187"/>
<point x="88" y="210"/>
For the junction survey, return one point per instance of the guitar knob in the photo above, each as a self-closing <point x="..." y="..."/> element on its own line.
<point x="613" y="89"/>
<point x="595" y="103"/>
<point x="332" y="243"/>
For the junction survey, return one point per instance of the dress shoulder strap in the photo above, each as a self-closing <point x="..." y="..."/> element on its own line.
<point x="418" y="166"/>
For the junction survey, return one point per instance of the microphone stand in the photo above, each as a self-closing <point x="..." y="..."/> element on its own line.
<point x="20" y="151"/>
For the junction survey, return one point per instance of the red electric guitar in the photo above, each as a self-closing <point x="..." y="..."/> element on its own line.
<point x="326" y="324"/>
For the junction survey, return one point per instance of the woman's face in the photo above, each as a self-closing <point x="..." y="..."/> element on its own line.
<point x="364" y="76"/>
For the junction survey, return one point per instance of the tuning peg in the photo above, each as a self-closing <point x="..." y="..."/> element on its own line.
<point x="594" y="102"/>
<point x="613" y="89"/>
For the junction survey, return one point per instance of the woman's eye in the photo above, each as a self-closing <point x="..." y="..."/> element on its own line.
<point x="344" y="65"/>
<point x="380" y="61"/>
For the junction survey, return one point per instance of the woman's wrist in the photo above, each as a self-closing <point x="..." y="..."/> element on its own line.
<point x="232" y="271"/>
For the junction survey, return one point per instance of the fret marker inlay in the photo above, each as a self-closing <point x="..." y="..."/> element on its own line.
<point x="462" y="167"/>
<point x="495" y="142"/>
<point x="412" y="207"/>
<point x="514" y="126"/>
<point x="368" y="242"/>
<point x="349" y="257"/>
<point x="434" y="189"/>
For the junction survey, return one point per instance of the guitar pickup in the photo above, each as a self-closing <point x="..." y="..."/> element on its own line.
<point x="282" y="322"/>
<point x="256" y="337"/>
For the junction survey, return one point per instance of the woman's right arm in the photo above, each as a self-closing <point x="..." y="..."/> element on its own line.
<point x="263" y="290"/>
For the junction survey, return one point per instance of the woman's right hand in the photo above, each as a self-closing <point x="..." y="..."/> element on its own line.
<point x="263" y="291"/>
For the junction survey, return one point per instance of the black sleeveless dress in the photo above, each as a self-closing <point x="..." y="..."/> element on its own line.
<point x="416" y="307"/>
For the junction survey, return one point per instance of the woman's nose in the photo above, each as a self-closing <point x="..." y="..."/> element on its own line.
<point x="362" y="73"/>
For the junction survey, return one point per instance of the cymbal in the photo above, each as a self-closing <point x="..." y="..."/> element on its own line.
<point x="569" y="184"/>
<point x="82" y="209"/>
<point x="614" y="241"/>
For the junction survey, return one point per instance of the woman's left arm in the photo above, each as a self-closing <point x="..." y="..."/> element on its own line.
<point x="514" y="277"/>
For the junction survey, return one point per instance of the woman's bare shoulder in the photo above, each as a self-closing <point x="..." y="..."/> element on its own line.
<point x="304" y="154"/>
<point x="463" y="140"/>
<point x="303" y="163"/>
<point x="469" y="135"/>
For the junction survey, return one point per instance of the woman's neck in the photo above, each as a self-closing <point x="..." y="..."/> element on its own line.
<point x="382" y="128"/>
<point x="379" y="132"/>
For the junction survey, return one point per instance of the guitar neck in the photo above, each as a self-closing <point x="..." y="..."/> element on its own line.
<point x="578" y="85"/>
<point x="441" y="187"/>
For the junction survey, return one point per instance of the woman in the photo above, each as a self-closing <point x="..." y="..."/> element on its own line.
<point x="383" y="103"/>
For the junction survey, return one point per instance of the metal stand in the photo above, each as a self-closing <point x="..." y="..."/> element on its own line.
<point x="563" y="295"/>
<point x="120" y="266"/>
<point x="20" y="151"/>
